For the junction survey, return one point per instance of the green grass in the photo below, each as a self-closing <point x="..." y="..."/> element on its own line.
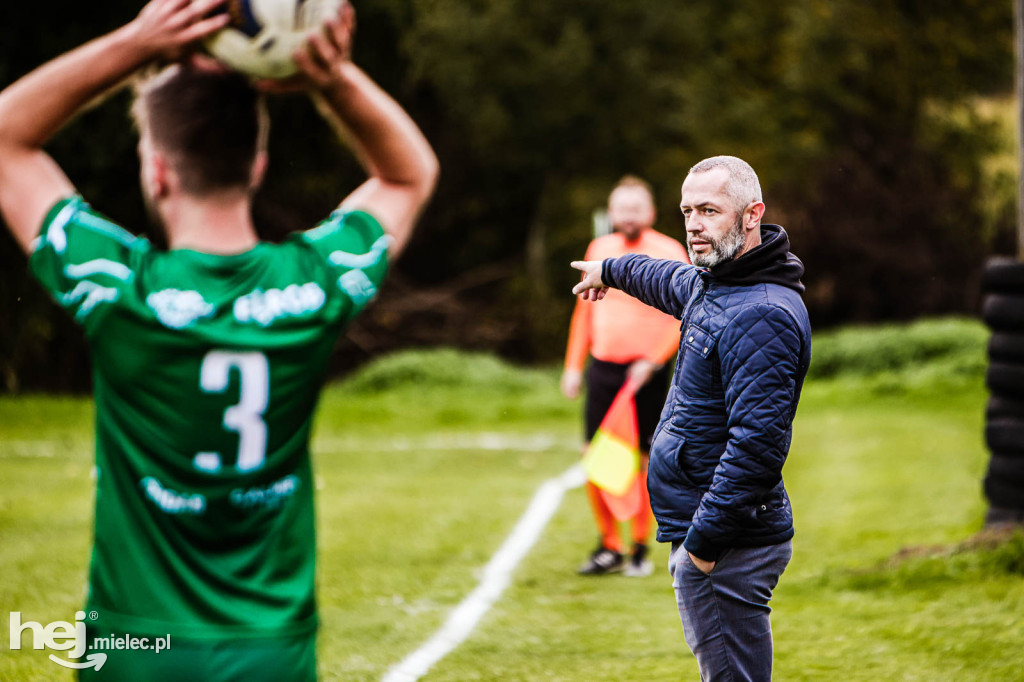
<point x="426" y="460"/>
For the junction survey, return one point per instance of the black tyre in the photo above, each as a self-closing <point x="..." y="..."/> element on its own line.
<point x="1005" y="380"/>
<point x="1004" y="408"/>
<point x="1006" y="437"/>
<point x="1007" y="468"/>
<point x="1004" y="482"/>
<point x="1006" y="347"/>
<point x="1004" y="494"/>
<point x="1004" y="312"/>
<point x="1003" y="275"/>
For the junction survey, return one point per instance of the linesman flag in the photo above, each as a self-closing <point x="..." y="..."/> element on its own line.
<point x="612" y="461"/>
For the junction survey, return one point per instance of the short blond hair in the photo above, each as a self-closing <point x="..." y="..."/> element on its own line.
<point x="633" y="181"/>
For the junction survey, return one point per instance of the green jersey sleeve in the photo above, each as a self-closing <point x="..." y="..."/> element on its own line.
<point x="353" y="246"/>
<point x="83" y="259"/>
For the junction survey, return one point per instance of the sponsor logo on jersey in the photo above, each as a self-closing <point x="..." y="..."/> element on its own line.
<point x="172" y="501"/>
<point x="263" y="307"/>
<point x="178" y="309"/>
<point x="269" y="497"/>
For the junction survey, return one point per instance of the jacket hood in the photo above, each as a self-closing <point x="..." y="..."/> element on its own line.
<point x="770" y="262"/>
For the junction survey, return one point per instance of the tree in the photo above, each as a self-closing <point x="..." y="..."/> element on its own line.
<point x="859" y="117"/>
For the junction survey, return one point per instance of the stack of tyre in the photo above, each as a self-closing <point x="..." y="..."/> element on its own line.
<point x="1003" y="310"/>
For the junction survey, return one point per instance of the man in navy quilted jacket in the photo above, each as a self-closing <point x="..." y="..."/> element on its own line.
<point x="715" y="476"/>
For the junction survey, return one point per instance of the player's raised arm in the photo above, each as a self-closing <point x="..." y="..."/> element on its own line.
<point x="400" y="162"/>
<point x="35" y="107"/>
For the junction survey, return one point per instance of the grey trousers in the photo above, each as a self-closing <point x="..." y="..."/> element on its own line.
<point x="726" y="614"/>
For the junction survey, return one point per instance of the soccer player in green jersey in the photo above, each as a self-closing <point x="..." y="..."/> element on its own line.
<point x="209" y="356"/>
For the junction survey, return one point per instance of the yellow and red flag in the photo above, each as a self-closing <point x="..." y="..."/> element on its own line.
<point x="612" y="461"/>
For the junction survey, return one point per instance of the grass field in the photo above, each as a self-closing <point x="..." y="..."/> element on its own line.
<point x="425" y="462"/>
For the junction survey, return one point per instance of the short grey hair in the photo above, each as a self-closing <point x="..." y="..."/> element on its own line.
<point x="743" y="185"/>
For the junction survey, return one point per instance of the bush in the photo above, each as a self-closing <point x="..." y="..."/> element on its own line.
<point x="951" y="345"/>
<point x="445" y="368"/>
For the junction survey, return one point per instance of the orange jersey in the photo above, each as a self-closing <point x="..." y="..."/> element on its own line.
<point x="620" y="328"/>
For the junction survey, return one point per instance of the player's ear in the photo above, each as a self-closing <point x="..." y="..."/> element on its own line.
<point x="753" y="214"/>
<point x="154" y="173"/>
<point x="259" y="170"/>
<point x="162" y="173"/>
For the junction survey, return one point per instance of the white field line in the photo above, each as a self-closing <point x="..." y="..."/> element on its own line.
<point x="496" y="577"/>
<point x="490" y="441"/>
<point x="29" y="448"/>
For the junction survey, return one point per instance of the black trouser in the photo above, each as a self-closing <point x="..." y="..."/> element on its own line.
<point x="604" y="379"/>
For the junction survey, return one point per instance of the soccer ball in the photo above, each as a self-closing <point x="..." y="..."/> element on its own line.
<point x="263" y="34"/>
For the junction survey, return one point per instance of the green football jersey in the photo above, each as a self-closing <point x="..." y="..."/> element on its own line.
<point x="207" y="369"/>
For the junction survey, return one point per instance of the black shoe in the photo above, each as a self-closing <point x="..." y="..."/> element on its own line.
<point x="602" y="562"/>
<point x="639" y="565"/>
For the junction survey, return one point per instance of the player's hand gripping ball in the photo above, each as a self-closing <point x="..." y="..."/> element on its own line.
<point x="264" y="34"/>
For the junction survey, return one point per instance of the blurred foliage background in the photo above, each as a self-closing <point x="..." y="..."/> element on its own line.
<point x="882" y="132"/>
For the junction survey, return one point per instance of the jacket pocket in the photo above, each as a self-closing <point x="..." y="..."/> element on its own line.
<point x="665" y="452"/>
<point x="673" y="445"/>
<point x="699" y="341"/>
<point x="699" y="376"/>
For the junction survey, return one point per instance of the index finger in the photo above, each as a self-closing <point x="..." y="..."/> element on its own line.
<point x="341" y="29"/>
<point x="206" y="27"/>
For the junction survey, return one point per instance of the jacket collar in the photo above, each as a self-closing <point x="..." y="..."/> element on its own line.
<point x="770" y="262"/>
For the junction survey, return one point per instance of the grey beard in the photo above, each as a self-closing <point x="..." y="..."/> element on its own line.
<point x="722" y="250"/>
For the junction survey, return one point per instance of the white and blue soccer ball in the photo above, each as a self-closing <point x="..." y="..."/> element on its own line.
<point x="263" y="34"/>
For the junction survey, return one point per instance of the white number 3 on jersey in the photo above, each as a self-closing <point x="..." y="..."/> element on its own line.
<point x="246" y="417"/>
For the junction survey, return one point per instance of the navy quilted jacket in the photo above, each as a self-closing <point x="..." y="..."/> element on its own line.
<point x="715" y="476"/>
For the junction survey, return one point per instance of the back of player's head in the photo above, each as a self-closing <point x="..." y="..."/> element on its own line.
<point x="210" y="126"/>
<point x="742" y="185"/>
